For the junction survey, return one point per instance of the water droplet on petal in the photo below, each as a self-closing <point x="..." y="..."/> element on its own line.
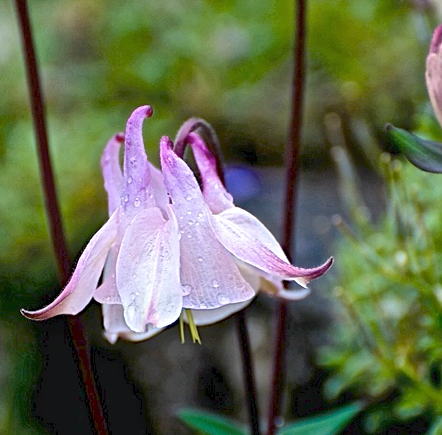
<point x="202" y="305"/>
<point x="200" y="259"/>
<point x="215" y="283"/>
<point x="188" y="197"/>
<point x="191" y="222"/>
<point x="133" y="161"/>
<point x="189" y="212"/>
<point x="223" y="299"/>
<point x="189" y="236"/>
<point x="129" y="180"/>
<point x="137" y="202"/>
<point x="126" y="198"/>
<point x="200" y="214"/>
<point x="133" y="296"/>
<point x="186" y="289"/>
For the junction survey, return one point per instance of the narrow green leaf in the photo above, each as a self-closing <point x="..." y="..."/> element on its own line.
<point x="329" y="423"/>
<point x="436" y="427"/>
<point x="425" y="154"/>
<point x="205" y="423"/>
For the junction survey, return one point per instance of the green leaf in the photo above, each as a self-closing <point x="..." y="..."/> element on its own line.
<point x="329" y="423"/>
<point x="436" y="427"/>
<point x="208" y="424"/>
<point x="425" y="154"/>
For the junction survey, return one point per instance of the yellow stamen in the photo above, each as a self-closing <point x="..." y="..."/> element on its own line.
<point x="182" y="330"/>
<point x="193" y="329"/>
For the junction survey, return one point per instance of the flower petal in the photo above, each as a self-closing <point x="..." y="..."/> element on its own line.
<point x="158" y="188"/>
<point x="250" y="241"/>
<point x="107" y="292"/>
<point x="115" y="327"/>
<point x="110" y="166"/>
<point x="215" y="194"/>
<point x="209" y="275"/>
<point x="79" y="290"/>
<point x="208" y="317"/>
<point x="433" y="73"/>
<point x="147" y="271"/>
<point x="137" y="193"/>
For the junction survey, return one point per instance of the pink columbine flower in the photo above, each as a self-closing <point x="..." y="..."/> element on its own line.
<point x="170" y="247"/>
<point x="433" y="73"/>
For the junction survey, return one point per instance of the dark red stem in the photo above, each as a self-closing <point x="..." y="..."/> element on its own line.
<point x="249" y="378"/>
<point x="292" y="158"/>
<point x="79" y="339"/>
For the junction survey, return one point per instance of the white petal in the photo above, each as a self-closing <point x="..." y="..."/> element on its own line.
<point x="147" y="271"/>
<point x="207" y="317"/>
<point x="79" y="290"/>
<point x="250" y="241"/>
<point x="115" y="327"/>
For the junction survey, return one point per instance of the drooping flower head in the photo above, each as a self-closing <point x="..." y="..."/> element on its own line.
<point x="171" y="247"/>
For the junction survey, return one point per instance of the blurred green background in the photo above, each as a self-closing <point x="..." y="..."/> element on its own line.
<point x="228" y="62"/>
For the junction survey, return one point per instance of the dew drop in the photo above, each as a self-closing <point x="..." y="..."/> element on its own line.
<point x="188" y="197"/>
<point x="200" y="214"/>
<point x="189" y="236"/>
<point x="133" y="296"/>
<point x="129" y="180"/>
<point x="133" y="161"/>
<point x="186" y="289"/>
<point x="223" y="299"/>
<point x="200" y="259"/>
<point x="170" y="160"/>
<point x="191" y="222"/>
<point x="215" y="283"/>
<point x="126" y="198"/>
<point x="203" y="305"/>
<point x="189" y="212"/>
<point x="137" y="202"/>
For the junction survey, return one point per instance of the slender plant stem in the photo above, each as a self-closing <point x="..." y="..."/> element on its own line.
<point x="78" y="337"/>
<point x="292" y="158"/>
<point x="249" y="378"/>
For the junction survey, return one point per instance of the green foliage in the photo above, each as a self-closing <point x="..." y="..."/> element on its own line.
<point x="424" y="154"/>
<point x="205" y="423"/>
<point x="387" y="338"/>
<point x="330" y="423"/>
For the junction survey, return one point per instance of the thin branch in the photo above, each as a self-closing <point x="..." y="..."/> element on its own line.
<point x="292" y="158"/>
<point x="78" y="337"/>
